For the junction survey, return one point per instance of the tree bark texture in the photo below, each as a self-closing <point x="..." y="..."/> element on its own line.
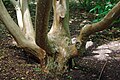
<point x="89" y="29"/>
<point x="23" y="42"/>
<point x="53" y="48"/>
<point x="41" y="24"/>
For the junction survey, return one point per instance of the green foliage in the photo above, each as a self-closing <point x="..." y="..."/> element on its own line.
<point x="36" y="69"/>
<point x="101" y="8"/>
<point x="86" y="4"/>
<point x="81" y="5"/>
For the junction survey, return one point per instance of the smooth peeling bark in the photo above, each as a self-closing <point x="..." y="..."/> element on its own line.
<point x="15" y="31"/>
<point x="59" y="37"/>
<point x="65" y="40"/>
<point x="89" y="29"/>
<point x="61" y="16"/>
<point x="17" y="7"/>
<point x="11" y="25"/>
<point x="66" y="19"/>
<point x="103" y="24"/>
<point x="27" y="22"/>
<point x="42" y="19"/>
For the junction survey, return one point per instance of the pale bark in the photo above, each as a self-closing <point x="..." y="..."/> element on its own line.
<point x="10" y="24"/>
<point x="18" y="13"/>
<point x="89" y="29"/>
<point x="57" y="41"/>
<point x="59" y="37"/>
<point x="24" y="18"/>
<point x="18" y="35"/>
<point x="27" y="22"/>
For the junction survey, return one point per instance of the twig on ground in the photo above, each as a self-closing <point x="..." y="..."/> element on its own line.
<point x="102" y="70"/>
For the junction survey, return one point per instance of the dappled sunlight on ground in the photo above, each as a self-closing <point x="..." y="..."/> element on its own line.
<point x="105" y="51"/>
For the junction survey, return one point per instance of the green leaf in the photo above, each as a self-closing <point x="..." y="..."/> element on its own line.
<point x="36" y="69"/>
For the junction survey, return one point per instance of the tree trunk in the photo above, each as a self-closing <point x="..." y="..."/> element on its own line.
<point x="41" y="24"/>
<point x="53" y="48"/>
<point x="56" y="42"/>
<point x="23" y="42"/>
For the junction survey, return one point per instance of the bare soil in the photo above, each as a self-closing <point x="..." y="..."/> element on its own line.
<point x="102" y="61"/>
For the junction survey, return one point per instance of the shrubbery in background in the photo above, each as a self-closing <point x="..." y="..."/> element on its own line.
<point x="99" y="7"/>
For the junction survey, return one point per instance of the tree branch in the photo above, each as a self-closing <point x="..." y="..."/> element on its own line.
<point x="89" y="29"/>
<point x="18" y="35"/>
<point x="11" y="25"/>
<point x="103" y="24"/>
<point x="18" y="12"/>
<point x="27" y="22"/>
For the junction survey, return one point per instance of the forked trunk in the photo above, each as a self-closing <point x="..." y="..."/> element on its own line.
<point x="57" y="40"/>
<point x="53" y="48"/>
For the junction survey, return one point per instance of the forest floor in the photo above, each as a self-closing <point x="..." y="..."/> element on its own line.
<point x="101" y="63"/>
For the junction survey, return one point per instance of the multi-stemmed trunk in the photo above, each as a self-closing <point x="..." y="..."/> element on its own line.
<point x="53" y="48"/>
